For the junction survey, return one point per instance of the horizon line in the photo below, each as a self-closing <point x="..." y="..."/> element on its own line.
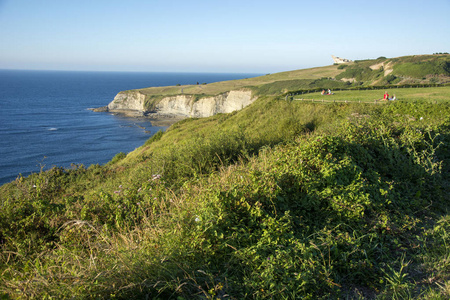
<point x="114" y="71"/>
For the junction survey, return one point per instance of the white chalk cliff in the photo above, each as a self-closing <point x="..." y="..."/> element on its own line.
<point x="184" y="105"/>
<point x="128" y="100"/>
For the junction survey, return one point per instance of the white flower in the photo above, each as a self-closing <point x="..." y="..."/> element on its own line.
<point x="197" y="219"/>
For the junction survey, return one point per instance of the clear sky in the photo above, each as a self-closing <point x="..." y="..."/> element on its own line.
<point x="262" y="36"/>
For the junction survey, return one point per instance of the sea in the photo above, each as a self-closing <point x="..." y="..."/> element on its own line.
<point x="46" y="121"/>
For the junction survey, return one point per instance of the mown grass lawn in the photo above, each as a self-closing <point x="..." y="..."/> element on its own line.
<point x="437" y="94"/>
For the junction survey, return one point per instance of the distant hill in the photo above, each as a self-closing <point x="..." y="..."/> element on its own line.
<point x="416" y="69"/>
<point x="400" y="70"/>
<point x="380" y="71"/>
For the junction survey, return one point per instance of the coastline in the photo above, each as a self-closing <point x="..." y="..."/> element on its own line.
<point x="157" y="119"/>
<point x="49" y="121"/>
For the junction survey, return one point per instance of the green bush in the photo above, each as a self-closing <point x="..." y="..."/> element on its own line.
<point x="118" y="157"/>
<point x="156" y="137"/>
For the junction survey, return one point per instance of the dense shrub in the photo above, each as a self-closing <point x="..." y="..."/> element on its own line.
<point x="156" y="137"/>
<point x="118" y="157"/>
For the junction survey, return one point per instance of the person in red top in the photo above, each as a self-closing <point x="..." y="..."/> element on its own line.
<point x="386" y="96"/>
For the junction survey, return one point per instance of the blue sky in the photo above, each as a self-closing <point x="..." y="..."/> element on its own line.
<point x="214" y="36"/>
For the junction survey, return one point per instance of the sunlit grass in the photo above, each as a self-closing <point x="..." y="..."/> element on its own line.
<point x="281" y="198"/>
<point x="437" y="94"/>
<point x="224" y="86"/>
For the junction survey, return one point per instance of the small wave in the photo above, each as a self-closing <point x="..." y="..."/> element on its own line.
<point x="52" y="129"/>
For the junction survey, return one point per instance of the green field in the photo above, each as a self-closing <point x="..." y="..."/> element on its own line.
<point x="395" y="73"/>
<point x="404" y="68"/>
<point x="224" y="86"/>
<point x="436" y="94"/>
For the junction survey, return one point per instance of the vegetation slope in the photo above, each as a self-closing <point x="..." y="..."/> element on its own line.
<point x="281" y="200"/>
<point x="407" y="70"/>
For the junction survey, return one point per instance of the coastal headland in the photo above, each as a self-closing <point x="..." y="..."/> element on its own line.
<point x="205" y="100"/>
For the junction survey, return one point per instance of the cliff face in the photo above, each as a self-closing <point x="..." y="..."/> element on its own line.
<point x="184" y="105"/>
<point x="129" y="100"/>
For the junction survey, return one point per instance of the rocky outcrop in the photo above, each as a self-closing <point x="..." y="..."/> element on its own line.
<point x="388" y="67"/>
<point x="187" y="105"/>
<point x="128" y="100"/>
<point x="183" y="105"/>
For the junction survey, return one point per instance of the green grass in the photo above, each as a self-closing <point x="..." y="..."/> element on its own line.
<point x="424" y="69"/>
<point x="307" y="75"/>
<point x="224" y="86"/>
<point x="281" y="200"/>
<point x="438" y="94"/>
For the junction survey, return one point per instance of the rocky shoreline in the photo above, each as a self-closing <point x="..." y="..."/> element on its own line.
<point x="156" y="118"/>
<point x="174" y="108"/>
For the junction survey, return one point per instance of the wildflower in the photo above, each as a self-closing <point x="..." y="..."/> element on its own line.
<point x="156" y="176"/>
<point x="197" y="219"/>
<point x="120" y="186"/>
<point x="140" y="189"/>
<point x="116" y="192"/>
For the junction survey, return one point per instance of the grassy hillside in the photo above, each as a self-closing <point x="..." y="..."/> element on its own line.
<point x="400" y="70"/>
<point x="418" y="69"/>
<point x="281" y="200"/>
<point x="224" y="86"/>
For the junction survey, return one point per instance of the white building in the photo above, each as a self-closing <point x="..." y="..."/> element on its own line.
<point x="338" y="60"/>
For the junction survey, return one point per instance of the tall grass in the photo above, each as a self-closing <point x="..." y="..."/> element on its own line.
<point x="281" y="200"/>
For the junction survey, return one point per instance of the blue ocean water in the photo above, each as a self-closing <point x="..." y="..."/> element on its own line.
<point x="45" y="119"/>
